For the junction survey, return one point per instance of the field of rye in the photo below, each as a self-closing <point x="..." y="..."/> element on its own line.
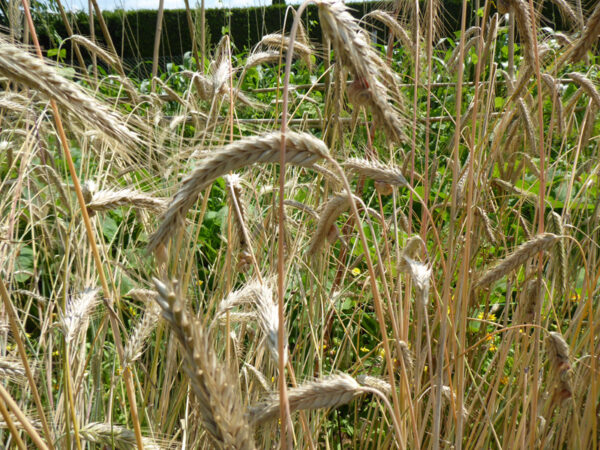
<point x="422" y="271"/>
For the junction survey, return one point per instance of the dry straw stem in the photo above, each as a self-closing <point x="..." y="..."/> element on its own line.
<point x="376" y="170"/>
<point x="215" y="387"/>
<point x="589" y="36"/>
<point x="518" y="257"/>
<point x="115" y="436"/>
<point x="106" y="200"/>
<point x="77" y="313"/>
<point x="328" y="392"/>
<point x="302" y="149"/>
<point x="371" y="73"/>
<point x="586" y="84"/>
<point x="22" y="67"/>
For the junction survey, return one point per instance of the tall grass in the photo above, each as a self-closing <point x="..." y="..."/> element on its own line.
<point x="438" y="233"/>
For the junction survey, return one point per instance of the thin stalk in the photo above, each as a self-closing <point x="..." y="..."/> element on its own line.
<point x="447" y="278"/>
<point x="465" y="272"/>
<point x="107" y="37"/>
<point x="70" y="401"/>
<point x="541" y="208"/>
<point x="91" y="238"/>
<point x="11" y="426"/>
<point x="6" y="398"/>
<point x="192" y="29"/>
<point x="12" y="319"/>
<point x="157" y="35"/>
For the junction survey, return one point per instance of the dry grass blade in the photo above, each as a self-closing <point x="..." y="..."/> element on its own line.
<point x="589" y="36"/>
<point x="22" y="67"/>
<point x="328" y="392"/>
<point x="215" y="387"/>
<point x="519" y="256"/>
<point x="302" y="149"/>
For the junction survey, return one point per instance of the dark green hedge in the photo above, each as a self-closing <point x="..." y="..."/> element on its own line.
<point x="133" y="31"/>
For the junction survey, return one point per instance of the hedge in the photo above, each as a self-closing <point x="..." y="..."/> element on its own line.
<point x="133" y="31"/>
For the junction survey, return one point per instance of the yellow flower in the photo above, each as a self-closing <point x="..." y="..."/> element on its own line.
<point x="425" y="369"/>
<point x="199" y="283"/>
<point x="356" y="271"/>
<point x="364" y="349"/>
<point x="489" y="337"/>
<point x="504" y="380"/>
<point x="493" y="348"/>
<point x="381" y="353"/>
<point x="55" y="353"/>
<point x="491" y="317"/>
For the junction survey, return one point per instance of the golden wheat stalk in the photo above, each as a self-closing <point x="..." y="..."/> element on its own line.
<point x="302" y="149"/>
<point x="328" y="392"/>
<point x="77" y="313"/>
<point x="376" y="170"/>
<point x="106" y="200"/>
<point x="518" y="257"/>
<point x="22" y="67"/>
<point x="587" y="85"/>
<point x="215" y="387"/>
<point x="588" y="37"/>
<point x="116" y="436"/>
<point x="372" y="76"/>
